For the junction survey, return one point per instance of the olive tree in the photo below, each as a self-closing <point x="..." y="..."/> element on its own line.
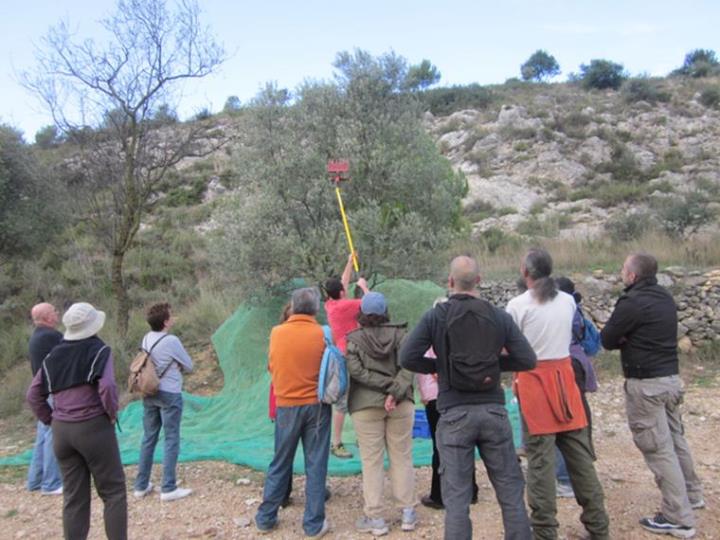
<point x="403" y="198"/>
<point x="539" y="67"/>
<point x="106" y="95"/>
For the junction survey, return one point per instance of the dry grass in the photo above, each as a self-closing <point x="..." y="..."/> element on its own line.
<point x="591" y="254"/>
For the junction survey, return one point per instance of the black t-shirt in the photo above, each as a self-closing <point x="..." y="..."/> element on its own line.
<point x="42" y="342"/>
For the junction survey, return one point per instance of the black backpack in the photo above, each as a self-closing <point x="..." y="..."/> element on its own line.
<point x="474" y="340"/>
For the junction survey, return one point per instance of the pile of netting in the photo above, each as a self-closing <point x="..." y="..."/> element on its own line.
<point x="233" y="425"/>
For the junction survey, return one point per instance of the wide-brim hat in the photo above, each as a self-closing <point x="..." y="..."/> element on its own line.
<point x="82" y="321"/>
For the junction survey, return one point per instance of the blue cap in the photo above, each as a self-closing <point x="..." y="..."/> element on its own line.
<point x="373" y="303"/>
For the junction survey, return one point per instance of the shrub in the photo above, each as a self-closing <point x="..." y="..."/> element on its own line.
<point x="684" y="215"/>
<point x="602" y="74"/>
<point x="479" y="210"/>
<point x="628" y="226"/>
<point x="494" y="238"/>
<point x="700" y="63"/>
<point x="623" y="166"/>
<point x="444" y="101"/>
<point x="611" y="193"/>
<point x="15" y="383"/>
<point x="643" y="89"/>
<point x="710" y="97"/>
<point x="572" y="124"/>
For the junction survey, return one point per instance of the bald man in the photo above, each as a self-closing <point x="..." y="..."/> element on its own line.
<point x="468" y="335"/>
<point x="44" y="473"/>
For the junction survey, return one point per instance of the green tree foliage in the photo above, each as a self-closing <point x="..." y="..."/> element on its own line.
<point x="48" y="137"/>
<point x="540" y="67"/>
<point x="30" y="205"/>
<point x="700" y="63"/>
<point x="403" y="199"/>
<point x="232" y="105"/>
<point x="421" y="76"/>
<point x="602" y="74"/>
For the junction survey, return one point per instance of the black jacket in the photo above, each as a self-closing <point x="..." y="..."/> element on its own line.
<point x="432" y="331"/>
<point x="42" y="342"/>
<point x="644" y="327"/>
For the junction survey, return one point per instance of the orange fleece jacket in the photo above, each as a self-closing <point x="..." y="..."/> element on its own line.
<point x="296" y="350"/>
<point x="550" y="399"/>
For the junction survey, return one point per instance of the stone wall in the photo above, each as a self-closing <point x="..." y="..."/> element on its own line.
<point x="696" y="294"/>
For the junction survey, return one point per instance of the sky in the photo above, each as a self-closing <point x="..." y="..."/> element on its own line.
<point x="468" y="40"/>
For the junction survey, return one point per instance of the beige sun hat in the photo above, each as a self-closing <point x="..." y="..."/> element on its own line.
<point x="82" y="321"/>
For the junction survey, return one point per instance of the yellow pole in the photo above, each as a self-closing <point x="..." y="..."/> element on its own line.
<point x="347" y="228"/>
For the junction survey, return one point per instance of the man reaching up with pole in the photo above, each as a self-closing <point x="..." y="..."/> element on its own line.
<point x="342" y="315"/>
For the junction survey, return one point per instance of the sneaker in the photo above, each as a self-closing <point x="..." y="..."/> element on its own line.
<point x="408" y="520"/>
<point x="323" y="531"/>
<point x="431" y="503"/>
<point x="58" y="491"/>
<point x="339" y="451"/>
<point x="698" y="505"/>
<point x="376" y="527"/>
<point x="179" y="493"/>
<point x="660" y="525"/>
<point x="564" y="491"/>
<point x="140" y="493"/>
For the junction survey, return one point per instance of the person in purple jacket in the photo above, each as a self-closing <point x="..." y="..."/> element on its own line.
<point x="79" y="375"/>
<point x="585" y="378"/>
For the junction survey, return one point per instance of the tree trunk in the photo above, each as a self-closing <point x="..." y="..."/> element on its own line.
<point x="120" y="291"/>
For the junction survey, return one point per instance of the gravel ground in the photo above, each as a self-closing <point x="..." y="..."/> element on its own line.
<point x="226" y="496"/>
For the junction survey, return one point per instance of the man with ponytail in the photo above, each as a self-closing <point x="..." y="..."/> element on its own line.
<point x="551" y="404"/>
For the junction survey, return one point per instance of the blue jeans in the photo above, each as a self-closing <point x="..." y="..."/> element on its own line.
<point x="311" y="425"/>
<point x="161" y="410"/>
<point x="44" y="473"/>
<point x="486" y="427"/>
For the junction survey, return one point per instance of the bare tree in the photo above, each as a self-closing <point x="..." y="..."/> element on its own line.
<point x="104" y="97"/>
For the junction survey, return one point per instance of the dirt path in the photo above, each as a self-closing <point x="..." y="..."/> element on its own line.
<point x="226" y="496"/>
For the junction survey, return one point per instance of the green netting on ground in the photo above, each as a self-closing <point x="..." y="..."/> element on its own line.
<point x="233" y="425"/>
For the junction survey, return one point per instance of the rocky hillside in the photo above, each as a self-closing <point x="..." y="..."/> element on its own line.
<point x="555" y="160"/>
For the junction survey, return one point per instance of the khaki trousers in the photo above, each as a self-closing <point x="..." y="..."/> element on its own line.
<point x="378" y="430"/>
<point x="653" y="411"/>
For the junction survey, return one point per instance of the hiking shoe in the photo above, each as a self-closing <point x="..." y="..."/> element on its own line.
<point x="431" y="503"/>
<point x="59" y="491"/>
<point x="178" y="493"/>
<point x="140" y="493"/>
<point x="564" y="491"/>
<point x="322" y="532"/>
<point x="408" y="520"/>
<point x="339" y="451"/>
<point x="660" y="525"/>
<point x="698" y="505"/>
<point x="376" y="527"/>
